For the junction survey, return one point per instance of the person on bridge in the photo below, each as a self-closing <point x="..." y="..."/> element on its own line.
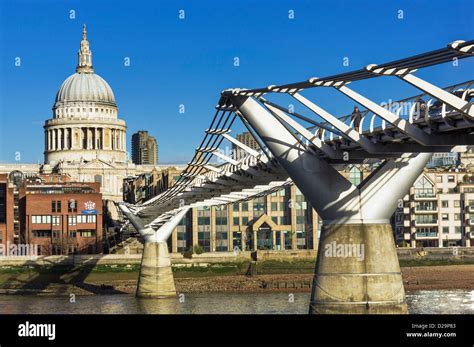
<point x="356" y="117"/>
<point x="420" y="111"/>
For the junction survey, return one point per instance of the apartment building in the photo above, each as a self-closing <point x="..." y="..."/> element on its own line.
<point x="438" y="211"/>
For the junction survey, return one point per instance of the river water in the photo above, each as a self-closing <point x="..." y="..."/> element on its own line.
<point x="434" y="302"/>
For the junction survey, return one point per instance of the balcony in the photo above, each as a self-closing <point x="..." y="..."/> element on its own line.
<point x="423" y="210"/>
<point x="426" y="223"/>
<point x="426" y="235"/>
<point x="425" y="196"/>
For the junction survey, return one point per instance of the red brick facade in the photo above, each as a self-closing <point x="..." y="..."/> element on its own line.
<point x="6" y="210"/>
<point x="60" y="216"/>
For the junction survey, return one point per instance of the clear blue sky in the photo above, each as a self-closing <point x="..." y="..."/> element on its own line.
<point x="190" y="61"/>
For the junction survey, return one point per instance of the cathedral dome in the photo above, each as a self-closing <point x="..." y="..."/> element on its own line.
<point x="85" y="124"/>
<point x="84" y="86"/>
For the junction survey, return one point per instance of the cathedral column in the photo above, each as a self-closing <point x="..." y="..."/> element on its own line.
<point x="119" y="140"/>
<point x="55" y="133"/>
<point x="124" y="135"/>
<point x="65" y="138"/>
<point x="49" y="140"/>
<point x="102" y="141"/>
<point x="89" y="138"/>
<point x="112" y="137"/>
<point x="83" y="138"/>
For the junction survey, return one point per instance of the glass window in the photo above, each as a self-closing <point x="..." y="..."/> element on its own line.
<point x="457" y="203"/>
<point x="424" y="188"/>
<point x="445" y="216"/>
<point x="355" y="176"/>
<point x="204" y="220"/>
<point x="274" y="206"/>
<point x="236" y="220"/>
<point x="444" y="203"/>
<point x="445" y="230"/>
<point x="245" y="206"/>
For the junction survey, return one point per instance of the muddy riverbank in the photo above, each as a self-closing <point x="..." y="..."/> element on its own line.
<point x="96" y="283"/>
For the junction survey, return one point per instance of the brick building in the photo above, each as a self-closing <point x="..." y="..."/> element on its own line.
<point x="60" y="216"/>
<point x="7" y="210"/>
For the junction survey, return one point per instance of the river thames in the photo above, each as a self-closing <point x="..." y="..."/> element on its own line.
<point x="419" y="302"/>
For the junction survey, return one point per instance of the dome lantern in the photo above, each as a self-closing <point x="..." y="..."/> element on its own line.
<point x="84" y="64"/>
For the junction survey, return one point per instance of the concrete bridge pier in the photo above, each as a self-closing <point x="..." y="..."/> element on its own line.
<point x="357" y="268"/>
<point x="156" y="276"/>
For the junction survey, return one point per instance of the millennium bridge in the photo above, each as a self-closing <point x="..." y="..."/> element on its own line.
<point x="309" y="151"/>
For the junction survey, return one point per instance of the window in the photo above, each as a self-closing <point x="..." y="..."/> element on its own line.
<point x="236" y="220"/>
<point x="237" y="239"/>
<point x="274" y="206"/>
<point x="445" y="230"/>
<point x="53" y="206"/>
<point x="42" y="233"/>
<point x="457" y="216"/>
<point x="275" y="220"/>
<point x="73" y="234"/>
<point x="72" y="220"/>
<point x="424" y="188"/>
<point x="204" y="220"/>
<point x="87" y="233"/>
<point x="355" y="176"/>
<point x="204" y="240"/>
<point x="245" y="206"/>
<point x="83" y="218"/>
<point x="56" y="220"/>
<point x="40" y="219"/>
<point x="457" y="230"/>
<point x="445" y="216"/>
<point x="245" y="220"/>
<point x="426" y="218"/>
<point x="221" y="241"/>
<point x="72" y="206"/>
<point x="445" y="203"/>
<point x="439" y="179"/>
<point x="450" y="179"/>
<point x="457" y="203"/>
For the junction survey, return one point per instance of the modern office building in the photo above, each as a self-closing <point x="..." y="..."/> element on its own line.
<point x="144" y="148"/>
<point x="247" y="139"/>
